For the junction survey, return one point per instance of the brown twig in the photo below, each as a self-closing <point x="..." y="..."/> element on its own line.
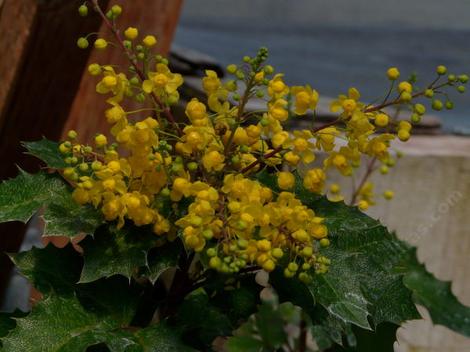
<point x="368" y="173"/>
<point x="166" y="110"/>
<point x="397" y="100"/>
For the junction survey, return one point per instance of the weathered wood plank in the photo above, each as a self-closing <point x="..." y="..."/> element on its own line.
<point x="39" y="75"/>
<point x="16" y="22"/>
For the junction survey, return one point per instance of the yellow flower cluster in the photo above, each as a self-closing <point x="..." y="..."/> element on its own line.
<point x="243" y="224"/>
<point x="208" y="158"/>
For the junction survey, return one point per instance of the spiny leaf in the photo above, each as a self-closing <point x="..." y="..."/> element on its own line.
<point x="50" y="269"/>
<point x="73" y="317"/>
<point x="162" y="258"/>
<point x="271" y="328"/>
<point x="436" y="296"/>
<point x="161" y="338"/>
<point x="111" y="253"/>
<point x="363" y="282"/>
<point x="125" y="252"/>
<point x="47" y="151"/>
<point x="200" y="318"/>
<point x="24" y="195"/>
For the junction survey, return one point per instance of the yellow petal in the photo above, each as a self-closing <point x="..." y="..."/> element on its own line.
<point x="147" y="86"/>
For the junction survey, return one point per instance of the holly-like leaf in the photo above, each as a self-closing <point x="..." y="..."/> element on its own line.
<point x="7" y="323"/>
<point x="162" y="258"/>
<point x="50" y="270"/>
<point x="160" y="338"/>
<point x="363" y="281"/>
<point x="120" y="252"/>
<point x="72" y="317"/>
<point x="436" y="296"/>
<point x="273" y="327"/>
<point x="24" y="195"/>
<point x="198" y="317"/>
<point x="47" y="151"/>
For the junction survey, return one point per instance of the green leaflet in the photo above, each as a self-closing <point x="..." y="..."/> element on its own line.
<point x="201" y="320"/>
<point x="363" y="282"/>
<point x="47" y="151"/>
<point x="271" y="328"/>
<point x="125" y="252"/>
<point x="160" y="259"/>
<point x="373" y="273"/>
<point x="73" y="317"/>
<point x="24" y="195"/>
<point x="110" y="253"/>
<point x="436" y="296"/>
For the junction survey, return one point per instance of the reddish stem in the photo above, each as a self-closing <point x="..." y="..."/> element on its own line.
<point x="370" y="169"/>
<point x="139" y="72"/>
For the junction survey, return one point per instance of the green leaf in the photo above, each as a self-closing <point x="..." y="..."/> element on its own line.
<point x="436" y="296"/>
<point x="272" y="328"/>
<point x="237" y="298"/>
<point x="162" y="258"/>
<point x="126" y="251"/>
<point x="73" y="317"/>
<point x="47" y="151"/>
<point x="24" y="195"/>
<point x="244" y="344"/>
<point x="160" y="338"/>
<point x="363" y="281"/>
<point x="50" y="270"/>
<point x="7" y="323"/>
<point x="120" y="252"/>
<point x="200" y="318"/>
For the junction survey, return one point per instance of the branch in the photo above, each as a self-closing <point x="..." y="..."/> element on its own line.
<point x="368" y="173"/>
<point x="117" y="35"/>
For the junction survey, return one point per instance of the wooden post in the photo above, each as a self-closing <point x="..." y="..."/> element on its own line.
<point x="43" y="88"/>
<point x="39" y="76"/>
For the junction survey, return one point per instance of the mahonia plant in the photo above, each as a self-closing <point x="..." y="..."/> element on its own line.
<point x="220" y="195"/>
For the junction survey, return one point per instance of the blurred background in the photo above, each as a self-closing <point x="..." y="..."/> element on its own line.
<point x="336" y="44"/>
<point x="332" y="45"/>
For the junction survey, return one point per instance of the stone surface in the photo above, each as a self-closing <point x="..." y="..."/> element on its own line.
<point x="430" y="210"/>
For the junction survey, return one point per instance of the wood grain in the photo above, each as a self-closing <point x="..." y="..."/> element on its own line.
<point x="40" y="68"/>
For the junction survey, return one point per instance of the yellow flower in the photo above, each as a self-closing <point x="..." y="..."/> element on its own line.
<point x="325" y="138"/>
<point x="149" y="41"/>
<point x="348" y="104"/>
<point x="278" y="110"/>
<point x="101" y="44"/>
<point x="285" y="180"/>
<point x="210" y="83"/>
<point x="393" y="73"/>
<point x="131" y="33"/>
<point x="314" y="180"/>
<point x="213" y="161"/>
<point x="305" y="98"/>
<point x="163" y="82"/>
<point x="117" y="84"/>
<point x="277" y="88"/>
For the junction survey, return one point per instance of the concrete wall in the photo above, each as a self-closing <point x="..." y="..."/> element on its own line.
<point x="431" y="210"/>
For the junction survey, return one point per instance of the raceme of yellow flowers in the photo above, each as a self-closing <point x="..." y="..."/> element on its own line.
<point x="210" y="157"/>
